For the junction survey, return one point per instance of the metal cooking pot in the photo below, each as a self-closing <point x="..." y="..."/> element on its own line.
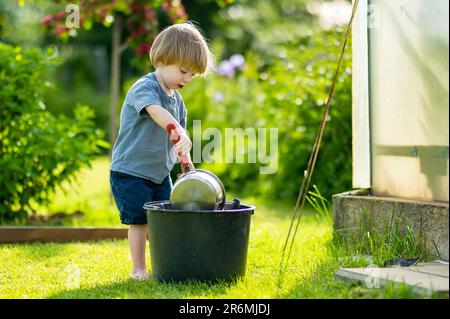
<point x="196" y="189"/>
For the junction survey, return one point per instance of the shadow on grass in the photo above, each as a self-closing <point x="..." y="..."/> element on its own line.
<point x="149" y="289"/>
<point x="320" y="283"/>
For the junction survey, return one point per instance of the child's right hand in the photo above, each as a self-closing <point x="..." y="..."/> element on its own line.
<point x="184" y="144"/>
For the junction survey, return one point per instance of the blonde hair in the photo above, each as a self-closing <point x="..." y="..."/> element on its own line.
<point x="182" y="44"/>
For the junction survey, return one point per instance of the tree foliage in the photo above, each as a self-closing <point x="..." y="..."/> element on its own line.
<point x="143" y="19"/>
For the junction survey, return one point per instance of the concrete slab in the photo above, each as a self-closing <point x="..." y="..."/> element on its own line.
<point x="434" y="268"/>
<point x="425" y="278"/>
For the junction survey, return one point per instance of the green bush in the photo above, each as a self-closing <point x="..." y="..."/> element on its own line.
<point x="38" y="150"/>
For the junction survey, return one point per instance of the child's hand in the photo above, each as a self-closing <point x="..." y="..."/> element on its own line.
<point x="184" y="144"/>
<point x="191" y="167"/>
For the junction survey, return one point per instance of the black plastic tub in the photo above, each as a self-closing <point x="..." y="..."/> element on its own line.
<point x="200" y="245"/>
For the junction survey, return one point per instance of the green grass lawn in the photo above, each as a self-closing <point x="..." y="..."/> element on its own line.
<point x="100" y="269"/>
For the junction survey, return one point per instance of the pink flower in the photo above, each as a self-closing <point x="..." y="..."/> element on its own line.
<point x="142" y="49"/>
<point x="47" y="19"/>
<point x="165" y="6"/>
<point x="181" y="12"/>
<point x="145" y="47"/>
<point x="60" y="15"/>
<point x="60" y="29"/>
<point x="136" y="8"/>
<point x="150" y="15"/>
<point x="142" y="30"/>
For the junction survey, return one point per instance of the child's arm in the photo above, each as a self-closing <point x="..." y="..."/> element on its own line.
<point x="162" y="117"/>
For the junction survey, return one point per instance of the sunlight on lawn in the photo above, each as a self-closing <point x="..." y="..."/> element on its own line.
<point x="100" y="269"/>
<point x="90" y="194"/>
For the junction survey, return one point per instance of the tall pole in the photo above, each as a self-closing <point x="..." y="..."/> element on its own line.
<point x="115" y="86"/>
<point x="115" y="81"/>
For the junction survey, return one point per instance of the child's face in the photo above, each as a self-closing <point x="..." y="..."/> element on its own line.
<point x="175" y="76"/>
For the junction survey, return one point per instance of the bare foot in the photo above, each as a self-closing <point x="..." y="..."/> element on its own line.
<point x="139" y="275"/>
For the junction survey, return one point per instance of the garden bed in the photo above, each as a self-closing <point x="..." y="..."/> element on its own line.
<point x="59" y="234"/>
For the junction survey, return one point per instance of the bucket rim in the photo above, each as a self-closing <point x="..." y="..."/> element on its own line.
<point x="154" y="207"/>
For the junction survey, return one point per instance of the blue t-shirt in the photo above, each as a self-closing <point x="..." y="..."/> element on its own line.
<point x="143" y="148"/>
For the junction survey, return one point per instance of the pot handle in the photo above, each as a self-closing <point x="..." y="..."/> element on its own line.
<point x="183" y="158"/>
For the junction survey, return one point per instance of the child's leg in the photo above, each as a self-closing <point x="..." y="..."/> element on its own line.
<point x="137" y="239"/>
<point x="130" y="194"/>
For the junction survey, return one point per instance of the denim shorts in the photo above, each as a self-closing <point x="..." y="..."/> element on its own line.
<point x="131" y="193"/>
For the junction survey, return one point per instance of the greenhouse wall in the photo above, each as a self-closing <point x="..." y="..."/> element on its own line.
<point x="408" y="97"/>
